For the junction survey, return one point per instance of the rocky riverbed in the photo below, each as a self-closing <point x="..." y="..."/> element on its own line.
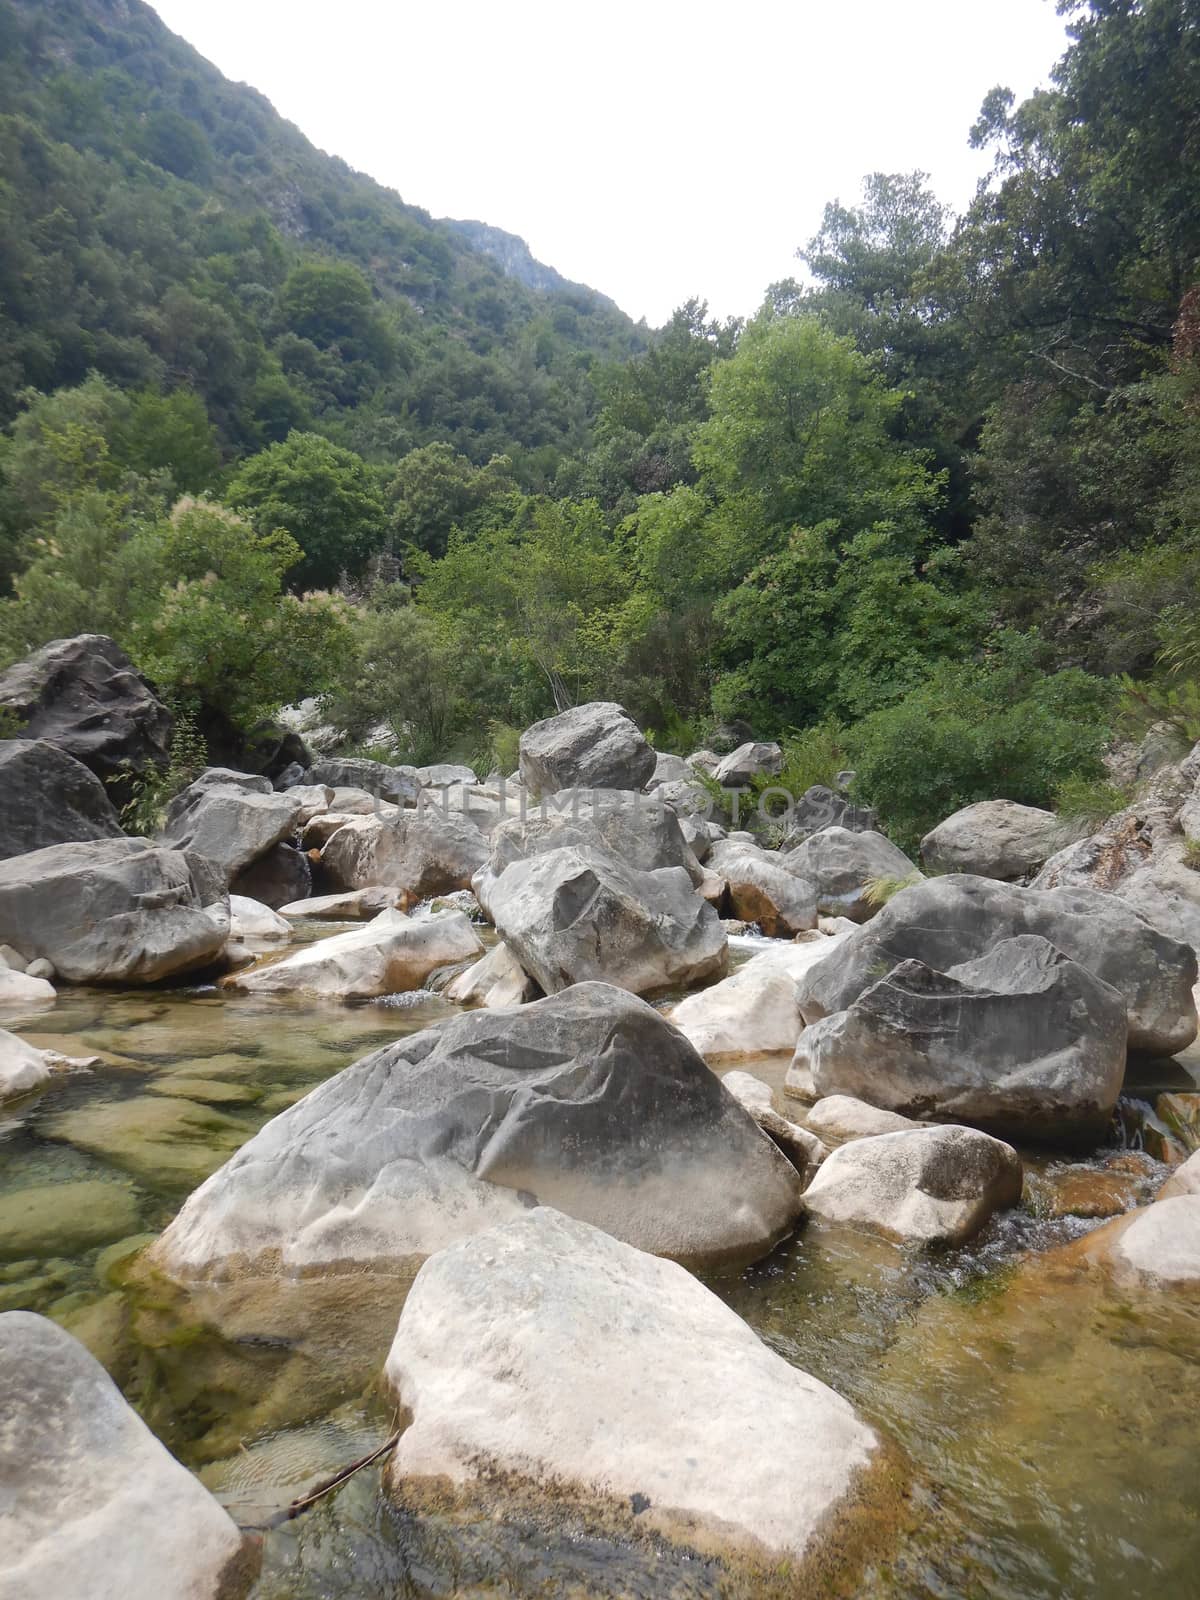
<point x="682" y="1260"/>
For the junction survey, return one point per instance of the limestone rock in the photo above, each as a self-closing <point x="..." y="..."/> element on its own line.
<point x="748" y="761"/>
<point x="946" y="921"/>
<point x="399" y="785"/>
<point x="85" y="696"/>
<point x="93" y="1504"/>
<point x="993" y="839"/>
<point x="924" y="1186"/>
<point x="388" y="955"/>
<point x="840" y="1118"/>
<point x="498" y="980"/>
<point x="683" y="1412"/>
<point x="577" y="914"/>
<point x="595" y="746"/>
<point x="589" y="1101"/>
<point x="23" y="1070"/>
<point x="755" y="1010"/>
<point x="761" y="889"/>
<point x="228" y="823"/>
<point x="424" y="853"/>
<point x="47" y="797"/>
<point x="1022" y="1042"/>
<point x="841" y="864"/>
<point x="356" y="905"/>
<point x="250" y="919"/>
<point x="113" y="910"/>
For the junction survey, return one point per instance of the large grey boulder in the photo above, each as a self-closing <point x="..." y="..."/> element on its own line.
<point x="113" y="910"/>
<point x="639" y="828"/>
<point x="669" y="769"/>
<point x="993" y="839"/>
<point x="423" y="853"/>
<point x="946" y="921"/>
<point x="749" y="761"/>
<point x="579" y="913"/>
<point x="596" y="745"/>
<point x="91" y="1504"/>
<point x="85" y="696"/>
<point x="391" y="954"/>
<point x="47" y="797"/>
<point x="589" y="1101"/>
<point x="229" y="823"/>
<point x="928" y="1186"/>
<point x="761" y="889"/>
<point x="1022" y="1042"/>
<point x="841" y="864"/>
<point x="399" y="785"/>
<point x="445" y="775"/>
<point x="548" y="1353"/>
<point x="498" y="979"/>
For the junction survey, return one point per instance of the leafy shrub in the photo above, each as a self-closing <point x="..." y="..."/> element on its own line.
<point x="996" y="729"/>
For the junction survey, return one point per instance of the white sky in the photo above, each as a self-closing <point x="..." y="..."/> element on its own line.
<point x="653" y="150"/>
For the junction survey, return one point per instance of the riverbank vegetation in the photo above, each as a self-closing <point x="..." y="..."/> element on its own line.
<point x="932" y="513"/>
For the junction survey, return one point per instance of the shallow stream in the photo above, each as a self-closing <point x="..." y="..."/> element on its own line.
<point x="1051" y="1420"/>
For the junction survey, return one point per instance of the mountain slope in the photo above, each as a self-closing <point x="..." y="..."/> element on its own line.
<point x="165" y="226"/>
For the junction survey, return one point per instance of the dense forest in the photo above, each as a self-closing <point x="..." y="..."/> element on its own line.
<point x="932" y="513"/>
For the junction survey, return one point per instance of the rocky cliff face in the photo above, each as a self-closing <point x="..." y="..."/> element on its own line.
<point x="515" y="259"/>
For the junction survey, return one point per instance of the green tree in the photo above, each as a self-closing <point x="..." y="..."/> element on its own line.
<point x="326" y="497"/>
<point x="434" y="489"/>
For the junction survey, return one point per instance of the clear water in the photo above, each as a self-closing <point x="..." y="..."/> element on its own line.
<point x="1050" y="1420"/>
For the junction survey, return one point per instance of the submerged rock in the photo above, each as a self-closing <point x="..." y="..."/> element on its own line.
<point x="47" y="797"/>
<point x="993" y="839"/>
<point x="390" y="954"/>
<point x="947" y="921"/>
<point x="548" y="1352"/>
<point x="924" y="1186"/>
<point x="591" y="746"/>
<point x="64" y="1219"/>
<point x="589" y="1101"/>
<point x="580" y="914"/>
<point x="113" y="910"/>
<point x="92" y="1503"/>
<point x="1022" y="1042"/>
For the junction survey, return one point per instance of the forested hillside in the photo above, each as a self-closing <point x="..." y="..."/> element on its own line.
<point x="932" y="513"/>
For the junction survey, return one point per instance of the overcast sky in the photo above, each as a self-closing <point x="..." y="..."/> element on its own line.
<point x="653" y="150"/>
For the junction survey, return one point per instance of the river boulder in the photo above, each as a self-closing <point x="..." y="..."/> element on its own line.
<point x="926" y="1186"/>
<point x="1156" y="1246"/>
<point x="23" y="1070"/>
<point x="91" y="1504"/>
<point x="114" y="910"/>
<point x="589" y="1101"/>
<point x="993" y="839"/>
<point x="229" y="822"/>
<point x="821" y="807"/>
<point x="1023" y="1042"/>
<point x="578" y="914"/>
<point x="549" y="1353"/>
<point x="842" y="864"/>
<point x="591" y="746"/>
<point x="423" y="853"/>
<point x="85" y="696"/>
<point x="47" y="797"/>
<point x="761" y="889"/>
<point x="754" y="1011"/>
<point x="391" y="954"/>
<point x="399" y="785"/>
<point x="740" y="767"/>
<point x="498" y="979"/>
<point x="946" y="921"/>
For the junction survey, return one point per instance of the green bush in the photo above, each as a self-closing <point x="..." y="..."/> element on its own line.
<point x="996" y="729"/>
